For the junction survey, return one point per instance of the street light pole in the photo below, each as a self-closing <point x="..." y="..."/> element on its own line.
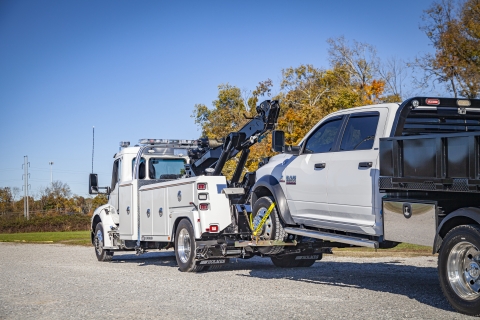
<point x="51" y="175"/>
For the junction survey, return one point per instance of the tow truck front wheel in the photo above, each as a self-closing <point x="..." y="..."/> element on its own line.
<point x="98" y="242"/>
<point x="459" y="268"/>
<point x="185" y="247"/>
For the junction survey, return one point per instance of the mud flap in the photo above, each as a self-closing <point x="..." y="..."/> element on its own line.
<point x="212" y="262"/>
<point x="308" y="257"/>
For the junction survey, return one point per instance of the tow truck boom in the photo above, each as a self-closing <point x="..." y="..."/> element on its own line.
<point x="213" y="155"/>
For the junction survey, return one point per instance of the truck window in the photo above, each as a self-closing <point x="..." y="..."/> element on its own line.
<point x="165" y="168"/>
<point x="360" y="132"/>
<point x="141" y="168"/>
<point x="323" y="139"/>
<point x="116" y="173"/>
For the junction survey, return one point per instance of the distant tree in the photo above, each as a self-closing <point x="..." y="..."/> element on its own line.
<point x="361" y="63"/>
<point x="6" y="200"/>
<point x="453" y="27"/>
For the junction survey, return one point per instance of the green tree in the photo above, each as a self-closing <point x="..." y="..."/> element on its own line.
<point x="453" y="27"/>
<point x="6" y="199"/>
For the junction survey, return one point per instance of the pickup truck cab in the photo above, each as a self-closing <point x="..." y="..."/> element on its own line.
<point x="383" y="174"/>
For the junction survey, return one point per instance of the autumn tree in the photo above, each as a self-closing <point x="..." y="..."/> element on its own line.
<point x="453" y="28"/>
<point x="6" y="199"/>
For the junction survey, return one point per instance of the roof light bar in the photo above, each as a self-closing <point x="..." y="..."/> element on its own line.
<point x="181" y="142"/>
<point x="124" y="144"/>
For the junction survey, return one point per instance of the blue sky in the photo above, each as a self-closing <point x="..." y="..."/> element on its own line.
<point x="135" y="69"/>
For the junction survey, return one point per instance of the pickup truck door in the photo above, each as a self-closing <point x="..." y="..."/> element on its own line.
<point x="353" y="170"/>
<point x="306" y="176"/>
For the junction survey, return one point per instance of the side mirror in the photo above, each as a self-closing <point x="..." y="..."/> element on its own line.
<point x="278" y="140"/>
<point x="278" y="144"/>
<point x="93" y="187"/>
<point x="93" y="183"/>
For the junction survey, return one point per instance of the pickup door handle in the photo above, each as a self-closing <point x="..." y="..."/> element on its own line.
<point x="365" y="164"/>
<point x="320" y="165"/>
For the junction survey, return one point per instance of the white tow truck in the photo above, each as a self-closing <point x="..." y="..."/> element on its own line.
<point x="171" y="193"/>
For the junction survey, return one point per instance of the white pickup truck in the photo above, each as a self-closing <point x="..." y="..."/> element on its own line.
<point x="378" y="175"/>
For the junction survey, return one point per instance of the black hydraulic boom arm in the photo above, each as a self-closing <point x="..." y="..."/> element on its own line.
<point x="209" y="154"/>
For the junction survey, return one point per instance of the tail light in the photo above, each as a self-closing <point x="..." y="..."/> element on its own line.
<point x="203" y="206"/>
<point x="202" y="196"/>
<point x="201" y="186"/>
<point x="213" y="228"/>
<point x="432" y="101"/>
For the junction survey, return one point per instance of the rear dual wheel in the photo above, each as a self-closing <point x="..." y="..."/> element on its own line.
<point x="459" y="268"/>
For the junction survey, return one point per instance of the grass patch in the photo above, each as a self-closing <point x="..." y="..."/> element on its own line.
<point x="72" y="237"/>
<point x="402" y="250"/>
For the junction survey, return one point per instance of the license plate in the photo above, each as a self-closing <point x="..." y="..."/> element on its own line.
<point x="312" y="257"/>
<point x="213" y="261"/>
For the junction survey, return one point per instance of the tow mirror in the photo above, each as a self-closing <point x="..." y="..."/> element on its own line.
<point x="93" y="183"/>
<point x="93" y="187"/>
<point x="278" y="140"/>
<point x="278" y="144"/>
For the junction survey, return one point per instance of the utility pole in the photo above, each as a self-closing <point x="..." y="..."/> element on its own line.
<point x="26" y="164"/>
<point x="51" y="175"/>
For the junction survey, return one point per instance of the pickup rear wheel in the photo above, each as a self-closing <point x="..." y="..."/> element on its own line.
<point x="99" y="243"/>
<point x="185" y="247"/>
<point x="272" y="228"/>
<point x="459" y="268"/>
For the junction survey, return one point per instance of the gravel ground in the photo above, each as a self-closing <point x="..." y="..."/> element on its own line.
<point x="62" y="282"/>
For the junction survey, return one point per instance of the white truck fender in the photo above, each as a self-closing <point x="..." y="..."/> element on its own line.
<point x="192" y="216"/>
<point x="103" y="214"/>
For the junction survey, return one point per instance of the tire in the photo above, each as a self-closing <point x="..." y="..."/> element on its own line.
<point x="185" y="247"/>
<point x="459" y="268"/>
<point x="307" y="263"/>
<point x="286" y="261"/>
<point x="99" y="242"/>
<point x="273" y="227"/>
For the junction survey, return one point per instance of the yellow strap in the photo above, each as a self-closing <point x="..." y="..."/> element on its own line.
<point x="265" y="217"/>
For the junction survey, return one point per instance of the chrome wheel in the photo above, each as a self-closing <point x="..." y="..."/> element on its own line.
<point x="99" y="241"/>
<point x="184" y="245"/>
<point x="266" y="232"/>
<point x="463" y="269"/>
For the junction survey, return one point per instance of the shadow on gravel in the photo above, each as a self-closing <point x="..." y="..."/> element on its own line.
<point x="419" y="283"/>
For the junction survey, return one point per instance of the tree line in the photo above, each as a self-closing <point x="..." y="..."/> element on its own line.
<point x="54" y="199"/>
<point x="355" y="76"/>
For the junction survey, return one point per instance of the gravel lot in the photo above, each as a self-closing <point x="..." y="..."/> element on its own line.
<point x="59" y="282"/>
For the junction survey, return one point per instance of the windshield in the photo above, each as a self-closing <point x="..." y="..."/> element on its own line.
<point x="165" y="168"/>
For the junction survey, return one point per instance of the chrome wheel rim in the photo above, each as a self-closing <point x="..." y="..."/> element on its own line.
<point x="99" y="242"/>
<point x="266" y="232"/>
<point x="463" y="268"/>
<point x="184" y="245"/>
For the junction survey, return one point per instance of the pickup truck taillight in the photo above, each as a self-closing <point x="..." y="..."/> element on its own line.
<point x="203" y="206"/>
<point x="201" y="186"/>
